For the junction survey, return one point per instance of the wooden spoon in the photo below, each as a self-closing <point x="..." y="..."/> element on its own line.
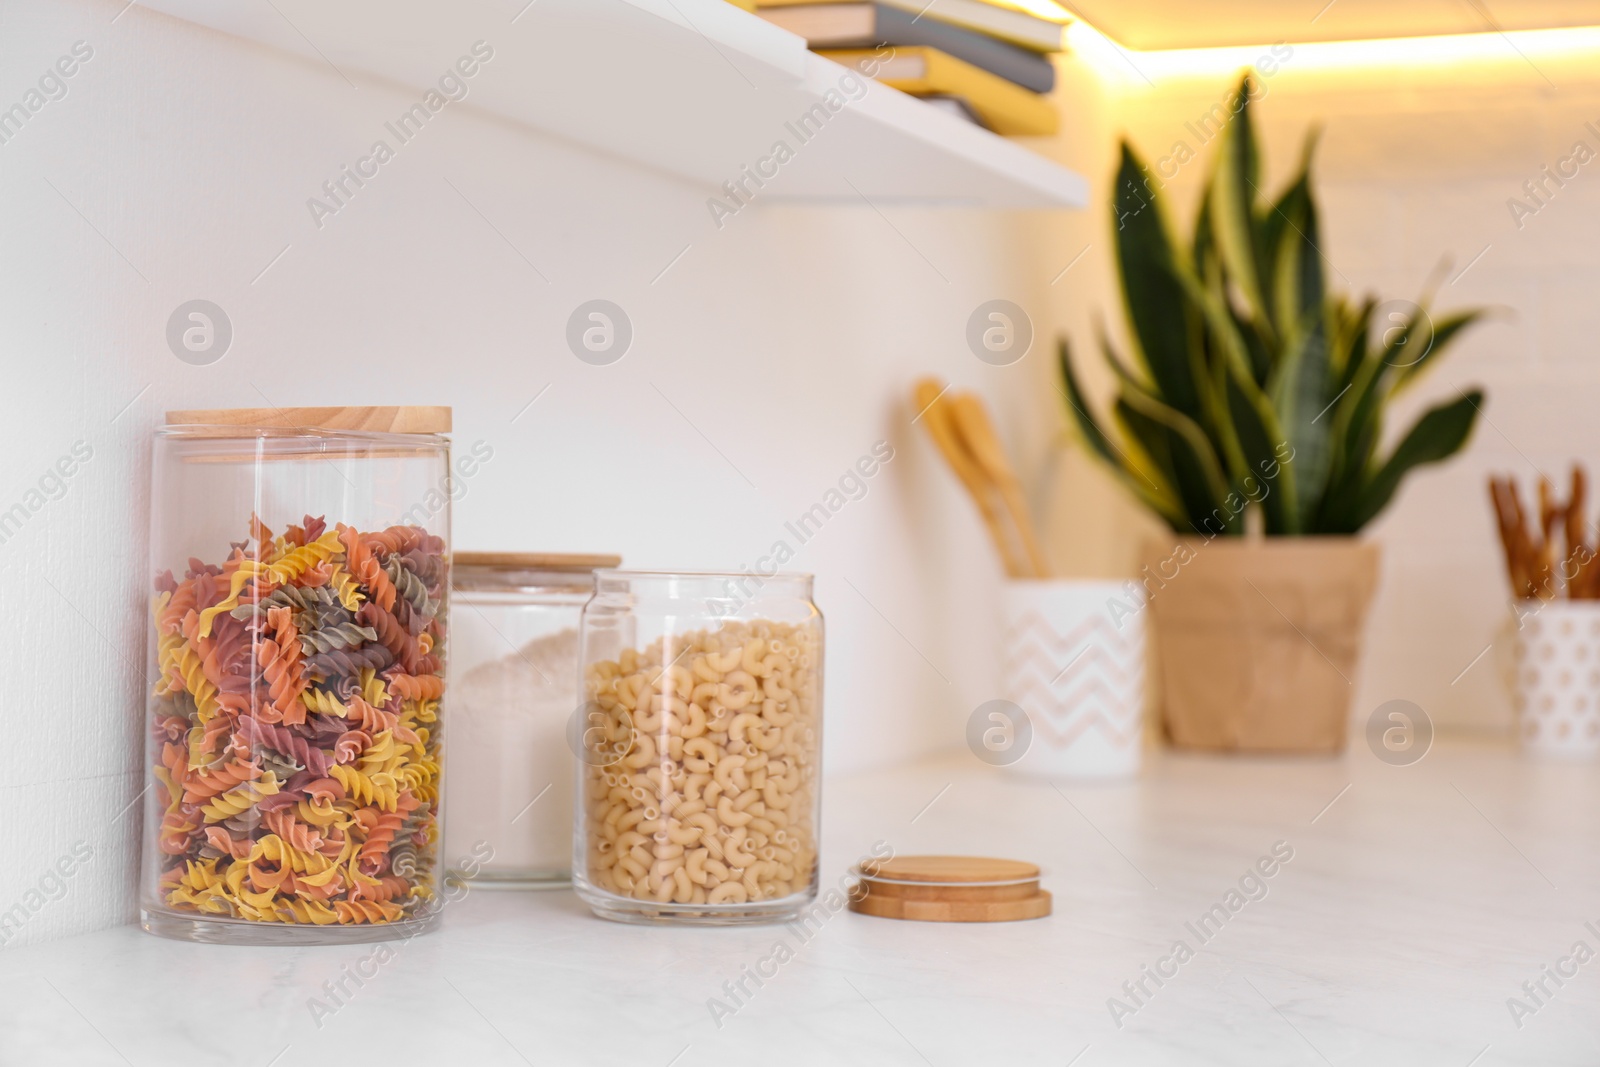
<point x="935" y="416"/>
<point x="1580" y="556"/>
<point x="1508" y="520"/>
<point x="977" y="432"/>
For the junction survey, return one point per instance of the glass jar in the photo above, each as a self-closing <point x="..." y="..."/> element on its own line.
<point x="514" y="660"/>
<point x="700" y="746"/>
<point x="300" y="563"/>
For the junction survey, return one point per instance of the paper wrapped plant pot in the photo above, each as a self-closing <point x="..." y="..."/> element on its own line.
<point x="1257" y="641"/>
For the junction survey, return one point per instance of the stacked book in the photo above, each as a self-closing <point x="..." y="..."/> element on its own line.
<point x="986" y="60"/>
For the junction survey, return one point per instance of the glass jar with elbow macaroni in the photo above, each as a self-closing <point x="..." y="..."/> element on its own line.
<point x="699" y="742"/>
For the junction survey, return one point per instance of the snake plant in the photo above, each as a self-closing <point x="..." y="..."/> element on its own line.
<point x="1255" y="388"/>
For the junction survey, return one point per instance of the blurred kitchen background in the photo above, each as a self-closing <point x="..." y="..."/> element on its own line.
<point x="769" y="352"/>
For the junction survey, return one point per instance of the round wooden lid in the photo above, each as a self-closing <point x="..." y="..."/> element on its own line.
<point x="361" y="419"/>
<point x="949" y="890"/>
<point x="536" y="561"/>
<point x="954" y="911"/>
<point x="952" y="870"/>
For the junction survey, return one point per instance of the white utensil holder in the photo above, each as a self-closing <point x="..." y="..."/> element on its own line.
<point x="1076" y="667"/>
<point x="1556" y="688"/>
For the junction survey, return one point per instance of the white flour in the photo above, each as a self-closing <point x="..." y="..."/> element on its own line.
<point x="506" y="745"/>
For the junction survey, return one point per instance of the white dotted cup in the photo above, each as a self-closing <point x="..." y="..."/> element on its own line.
<point x="1556" y="690"/>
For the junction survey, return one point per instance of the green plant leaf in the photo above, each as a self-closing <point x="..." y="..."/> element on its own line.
<point x="1139" y="480"/>
<point x="1349" y="340"/>
<point x="1439" y="434"/>
<point x="1358" y="419"/>
<point x="1229" y="353"/>
<point x="1260" y="351"/>
<point x="1444" y="332"/>
<point x="1233" y="219"/>
<point x="1078" y="409"/>
<point x="1301" y="396"/>
<point x="1180" y="450"/>
<point x="1158" y="313"/>
<point x="1259" y="439"/>
<point x="1294" y="242"/>
<point x="1203" y="249"/>
<point x="1250" y="433"/>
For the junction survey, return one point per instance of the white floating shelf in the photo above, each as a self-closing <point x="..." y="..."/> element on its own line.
<point x="694" y="88"/>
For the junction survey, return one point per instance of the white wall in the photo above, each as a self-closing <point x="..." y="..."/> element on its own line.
<point x="786" y="341"/>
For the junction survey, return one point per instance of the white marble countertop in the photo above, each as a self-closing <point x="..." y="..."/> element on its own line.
<point x="1417" y="901"/>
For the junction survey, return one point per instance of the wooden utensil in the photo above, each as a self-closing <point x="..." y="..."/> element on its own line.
<point x="928" y="395"/>
<point x="1506" y="526"/>
<point x="1581" y="560"/>
<point x="1000" y="911"/>
<point x="1550" y="513"/>
<point x="951" y="889"/>
<point x="977" y="432"/>
<point x="1529" y="541"/>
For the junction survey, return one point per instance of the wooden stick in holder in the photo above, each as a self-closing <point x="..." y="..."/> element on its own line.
<point x="1530" y="542"/>
<point x="928" y="395"/>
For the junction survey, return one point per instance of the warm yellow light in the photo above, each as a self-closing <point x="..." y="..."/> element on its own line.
<point x="1522" y="47"/>
<point x="1044" y="9"/>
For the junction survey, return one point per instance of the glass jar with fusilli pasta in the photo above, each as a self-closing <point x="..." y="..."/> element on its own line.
<point x="299" y="610"/>
<point x="699" y="741"/>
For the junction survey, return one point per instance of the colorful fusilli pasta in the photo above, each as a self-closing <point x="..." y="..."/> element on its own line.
<point x="294" y="726"/>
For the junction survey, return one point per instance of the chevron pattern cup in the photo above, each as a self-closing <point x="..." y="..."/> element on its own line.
<point x="1077" y="674"/>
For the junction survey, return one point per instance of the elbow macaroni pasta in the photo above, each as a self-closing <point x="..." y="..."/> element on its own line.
<point x="715" y="800"/>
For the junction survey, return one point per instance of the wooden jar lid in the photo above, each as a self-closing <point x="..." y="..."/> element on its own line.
<point x="964" y="892"/>
<point x="952" y="889"/>
<point x="945" y="870"/>
<point x="536" y="561"/>
<point x="421" y="420"/>
<point x="954" y="911"/>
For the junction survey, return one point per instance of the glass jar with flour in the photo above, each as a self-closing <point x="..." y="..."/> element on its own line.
<point x="515" y="661"/>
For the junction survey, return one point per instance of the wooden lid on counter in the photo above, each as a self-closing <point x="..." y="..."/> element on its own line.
<point x="1036" y="906"/>
<point x="420" y="420"/>
<point x="963" y="889"/>
<point x="945" y="870"/>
